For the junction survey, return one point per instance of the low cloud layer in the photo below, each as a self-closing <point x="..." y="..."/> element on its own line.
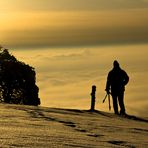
<point x="65" y="76"/>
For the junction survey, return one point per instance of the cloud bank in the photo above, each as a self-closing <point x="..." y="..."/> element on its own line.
<point x="65" y="76"/>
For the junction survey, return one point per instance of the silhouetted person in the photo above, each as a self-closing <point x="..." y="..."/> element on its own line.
<point x="116" y="81"/>
<point x="93" y="97"/>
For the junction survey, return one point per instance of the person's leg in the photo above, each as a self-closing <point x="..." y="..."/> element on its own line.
<point x="121" y="103"/>
<point x="115" y="103"/>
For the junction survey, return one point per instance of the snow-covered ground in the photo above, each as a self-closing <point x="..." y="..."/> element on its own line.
<point x="27" y="126"/>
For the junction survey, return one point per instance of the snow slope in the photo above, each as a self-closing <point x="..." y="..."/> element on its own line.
<point x="27" y="126"/>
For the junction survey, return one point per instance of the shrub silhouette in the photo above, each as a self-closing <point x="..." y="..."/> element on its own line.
<point x="17" y="81"/>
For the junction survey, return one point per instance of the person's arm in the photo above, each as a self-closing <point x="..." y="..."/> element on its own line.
<point x="126" y="78"/>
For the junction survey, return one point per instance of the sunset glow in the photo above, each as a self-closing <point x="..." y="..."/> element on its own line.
<point x="72" y="44"/>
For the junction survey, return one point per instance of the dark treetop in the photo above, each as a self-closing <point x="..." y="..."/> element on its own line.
<point x="17" y="81"/>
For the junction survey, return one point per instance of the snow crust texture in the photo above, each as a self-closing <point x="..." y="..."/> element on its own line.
<point x="40" y="127"/>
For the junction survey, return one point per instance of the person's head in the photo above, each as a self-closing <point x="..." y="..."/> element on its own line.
<point x="116" y="64"/>
<point x="94" y="88"/>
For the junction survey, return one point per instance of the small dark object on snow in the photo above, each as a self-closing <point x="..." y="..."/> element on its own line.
<point x="93" y="97"/>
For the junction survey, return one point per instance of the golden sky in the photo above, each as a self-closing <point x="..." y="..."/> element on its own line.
<point x="25" y="5"/>
<point x="51" y="23"/>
